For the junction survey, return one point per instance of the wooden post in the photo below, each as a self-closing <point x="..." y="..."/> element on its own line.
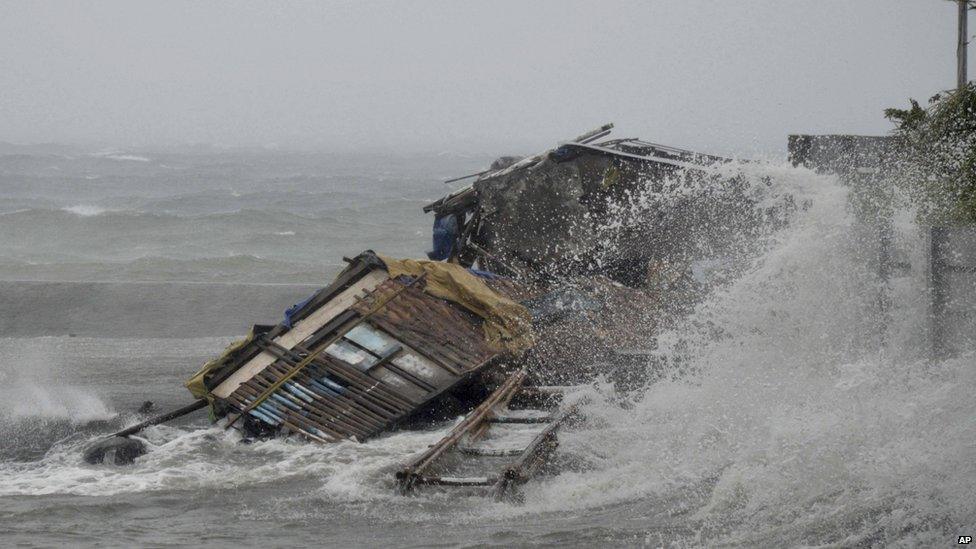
<point x="961" y="45"/>
<point x="162" y="419"/>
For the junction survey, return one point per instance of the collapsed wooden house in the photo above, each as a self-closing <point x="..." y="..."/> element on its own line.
<point x="564" y="212"/>
<point x="389" y="339"/>
<point x="385" y="341"/>
<point x="382" y="343"/>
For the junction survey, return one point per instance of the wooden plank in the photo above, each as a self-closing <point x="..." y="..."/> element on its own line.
<point x="490" y="452"/>
<point x="457" y="481"/>
<point x="302" y="330"/>
<point x="367" y="387"/>
<point x="380" y="343"/>
<point x="352" y="273"/>
<point x="525" y="420"/>
<point x="535" y="454"/>
<point x="409" y="474"/>
<point x="345" y="278"/>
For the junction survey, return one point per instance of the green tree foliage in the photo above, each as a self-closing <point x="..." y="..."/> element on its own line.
<point x="939" y="155"/>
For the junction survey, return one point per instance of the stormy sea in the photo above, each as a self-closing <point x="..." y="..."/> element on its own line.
<point x="790" y="422"/>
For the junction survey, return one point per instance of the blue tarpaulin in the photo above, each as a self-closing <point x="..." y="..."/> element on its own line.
<point x="445" y="235"/>
<point x="294" y="309"/>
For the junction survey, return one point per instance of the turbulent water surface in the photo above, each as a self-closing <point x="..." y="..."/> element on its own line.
<point x="797" y="412"/>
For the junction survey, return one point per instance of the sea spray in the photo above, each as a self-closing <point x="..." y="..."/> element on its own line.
<point x="38" y="405"/>
<point x="41" y="386"/>
<point x="783" y="420"/>
<point x="787" y="414"/>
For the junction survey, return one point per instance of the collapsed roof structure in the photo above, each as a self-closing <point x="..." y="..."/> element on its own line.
<point x="380" y="344"/>
<point x="563" y="212"/>
<point x="540" y="270"/>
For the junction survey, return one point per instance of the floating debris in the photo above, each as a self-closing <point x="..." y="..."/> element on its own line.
<point x="478" y="451"/>
<point x="114" y="450"/>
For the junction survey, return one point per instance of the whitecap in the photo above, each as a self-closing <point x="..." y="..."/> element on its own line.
<point x="113" y="154"/>
<point x="130" y="157"/>
<point x="84" y="210"/>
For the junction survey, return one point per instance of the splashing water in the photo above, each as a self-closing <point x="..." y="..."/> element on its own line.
<point x="65" y="402"/>
<point x="789" y="425"/>
<point x="37" y="382"/>
<point x="41" y="400"/>
<point x="784" y="419"/>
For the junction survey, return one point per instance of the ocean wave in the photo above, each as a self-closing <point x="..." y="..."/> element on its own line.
<point x="99" y="215"/>
<point x="121" y="156"/>
<point x="84" y="210"/>
<point x="235" y="268"/>
<point x="14" y="212"/>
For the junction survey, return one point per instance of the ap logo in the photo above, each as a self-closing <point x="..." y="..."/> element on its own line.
<point x="965" y="540"/>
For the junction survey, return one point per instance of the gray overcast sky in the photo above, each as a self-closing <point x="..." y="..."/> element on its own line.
<point x="722" y="76"/>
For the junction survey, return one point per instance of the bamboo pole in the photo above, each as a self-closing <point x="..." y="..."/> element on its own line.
<point x="326" y="414"/>
<point x="374" y="391"/>
<point x="288" y="418"/>
<point x="162" y="419"/>
<point x="351" y="407"/>
<point x="410" y="473"/>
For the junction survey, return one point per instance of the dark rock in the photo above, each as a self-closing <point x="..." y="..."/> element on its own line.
<point x="147" y="406"/>
<point x="503" y="162"/>
<point x="117" y="450"/>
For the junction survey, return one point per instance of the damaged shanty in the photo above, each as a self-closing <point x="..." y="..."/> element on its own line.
<point x="387" y="342"/>
<point x="570" y="211"/>
<point x="395" y="342"/>
<point x="380" y="345"/>
<point x="594" y="226"/>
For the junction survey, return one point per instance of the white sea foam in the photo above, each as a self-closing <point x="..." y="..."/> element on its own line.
<point x="85" y="210"/>
<point x="214" y="458"/>
<point x="121" y="156"/>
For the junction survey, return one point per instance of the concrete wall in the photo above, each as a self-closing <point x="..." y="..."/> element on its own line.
<point x="953" y="276"/>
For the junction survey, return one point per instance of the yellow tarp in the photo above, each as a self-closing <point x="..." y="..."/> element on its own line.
<point x="196" y="383"/>
<point x="508" y="325"/>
